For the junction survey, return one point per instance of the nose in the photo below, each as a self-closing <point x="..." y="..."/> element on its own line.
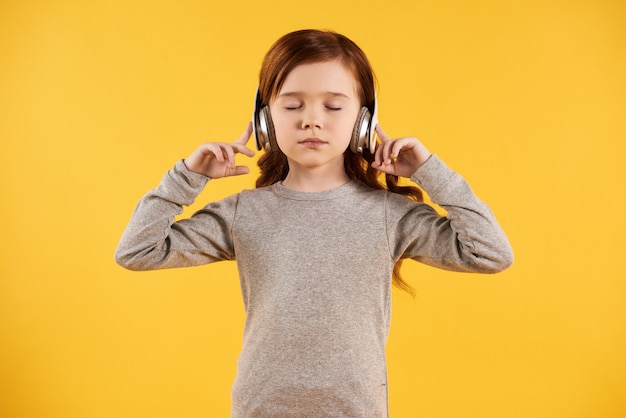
<point x="312" y="120"/>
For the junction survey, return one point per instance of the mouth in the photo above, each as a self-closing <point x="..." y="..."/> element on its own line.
<point x="312" y="142"/>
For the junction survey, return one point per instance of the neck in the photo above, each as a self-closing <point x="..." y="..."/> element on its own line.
<point x="314" y="180"/>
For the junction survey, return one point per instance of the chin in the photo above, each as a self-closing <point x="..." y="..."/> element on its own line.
<point x="313" y="162"/>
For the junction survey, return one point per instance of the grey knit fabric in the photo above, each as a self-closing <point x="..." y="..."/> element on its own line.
<point x="315" y="272"/>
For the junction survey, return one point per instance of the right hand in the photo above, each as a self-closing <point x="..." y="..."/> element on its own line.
<point x="217" y="159"/>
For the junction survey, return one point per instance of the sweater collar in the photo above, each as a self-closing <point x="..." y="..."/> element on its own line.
<point x="329" y="194"/>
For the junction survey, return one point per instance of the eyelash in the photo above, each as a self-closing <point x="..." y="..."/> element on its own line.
<point x="331" y="108"/>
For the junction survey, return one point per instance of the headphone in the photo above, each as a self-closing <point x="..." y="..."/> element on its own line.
<point x="362" y="134"/>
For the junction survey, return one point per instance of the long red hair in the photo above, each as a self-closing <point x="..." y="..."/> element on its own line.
<point x="309" y="46"/>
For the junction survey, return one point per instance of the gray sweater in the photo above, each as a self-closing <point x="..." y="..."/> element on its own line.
<point x="315" y="272"/>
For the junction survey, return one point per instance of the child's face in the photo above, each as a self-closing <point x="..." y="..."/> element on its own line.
<point x="314" y="114"/>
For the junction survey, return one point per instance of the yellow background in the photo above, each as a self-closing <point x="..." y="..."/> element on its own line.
<point x="99" y="98"/>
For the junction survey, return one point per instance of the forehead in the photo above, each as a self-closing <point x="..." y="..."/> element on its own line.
<point x="320" y="77"/>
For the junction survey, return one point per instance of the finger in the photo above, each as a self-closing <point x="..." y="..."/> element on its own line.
<point x="381" y="159"/>
<point x="384" y="167"/>
<point x="398" y="146"/>
<point x="378" y="156"/>
<point x="382" y="135"/>
<point x="245" y="136"/>
<point x="243" y="150"/>
<point x="214" y="149"/>
<point x="386" y="148"/>
<point x="229" y="154"/>
<point x="241" y="169"/>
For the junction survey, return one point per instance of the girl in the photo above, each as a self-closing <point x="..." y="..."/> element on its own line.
<point x="319" y="239"/>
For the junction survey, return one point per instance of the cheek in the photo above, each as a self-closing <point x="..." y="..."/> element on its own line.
<point x="347" y="125"/>
<point x="282" y="127"/>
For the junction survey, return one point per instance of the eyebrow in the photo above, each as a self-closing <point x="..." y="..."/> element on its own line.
<point x="296" y="93"/>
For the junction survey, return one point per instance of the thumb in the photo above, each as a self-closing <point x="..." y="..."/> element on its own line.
<point x="240" y="170"/>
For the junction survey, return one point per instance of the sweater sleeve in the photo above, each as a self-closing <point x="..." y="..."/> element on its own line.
<point x="467" y="239"/>
<point x="154" y="240"/>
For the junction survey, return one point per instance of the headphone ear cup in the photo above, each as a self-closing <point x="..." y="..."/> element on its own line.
<point x="262" y="126"/>
<point x="266" y="132"/>
<point x="361" y="131"/>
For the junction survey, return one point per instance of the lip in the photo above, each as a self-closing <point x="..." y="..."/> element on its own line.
<point x="312" y="142"/>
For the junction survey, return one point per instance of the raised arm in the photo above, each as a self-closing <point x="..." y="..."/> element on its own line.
<point x="153" y="239"/>
<point x="467" y="238"/>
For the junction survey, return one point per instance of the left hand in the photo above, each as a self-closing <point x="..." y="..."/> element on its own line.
<point x="400" y="156"/>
